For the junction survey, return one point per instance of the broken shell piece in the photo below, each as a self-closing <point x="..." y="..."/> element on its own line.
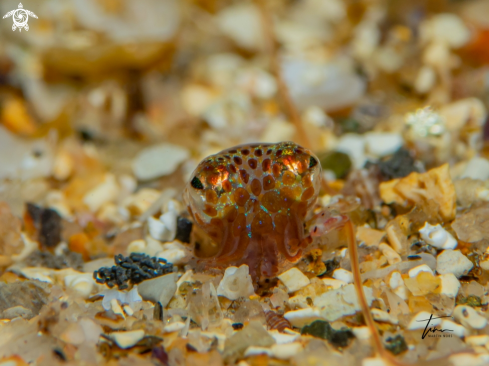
<point x="390" y="254"/>
<point x="453" y="261"/>
<point x="437" y="236"/>
<point x="396" y="283"/>
<point x="236" y="283"/>
<point x="343" y="275"/>
<point x="164" y="228"/>
<point x="122" y="296"/>
<point x="174" y="327"/>
<point x="158" y="160"/>
<point x="469" y="317"/>
<point x="127" y="339"/>
<point x="334" y="283"/>
<point x="420" y="319"/>
<point x="294" y="279"/>
<point x="160" y="289"/>
<point x="422" y="268"/>
<point x="302" y="317"/>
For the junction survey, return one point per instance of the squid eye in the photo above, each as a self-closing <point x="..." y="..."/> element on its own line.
<point x="196" y="183"/>
<point x="312" y="162"/>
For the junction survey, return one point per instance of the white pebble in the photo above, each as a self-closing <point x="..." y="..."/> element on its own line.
<point x="374" y="361"/>
<point x="300" y="318"/>
<point x="390" y="254"/>
<point x="343" y="275"/>
<point x="449" y="284"/>
<point x="437" y="236"/>
<point x="294" y="279"/>
<point x="425" y="80"/>
<point x="283" y="338"/>
<point x="396" y="283"/>
<point x="453" y="261"/>
<point x="158" y="160"/>
<point x="383" y="143"/>
<point x="456" y="329"/>
<point x="174" y="327"/>
<point x="236" y="283"/>
<point x="421" y="319"/>
<point x="353" y="145"/>
<point x="122" y="296"/>
<point x="363" y="333"/>
<point x="469" y="317"/>
<point x="105" y="192"/>
<point x="413" y="272"/>
<point x="445" y="28"/>
<point x="127" y="339"/>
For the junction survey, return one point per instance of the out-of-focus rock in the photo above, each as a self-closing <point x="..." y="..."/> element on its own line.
<point x="418" y="188"/>
<point x="30" y="295"/>
<point x="473" y="226"/>
<point x="158" y="160"/>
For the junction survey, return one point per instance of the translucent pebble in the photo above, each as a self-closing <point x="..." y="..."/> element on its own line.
<point x="252" y="335"/>
<point x="453" y="261"/>
<point x="473" y="225"/>
<point x="236" y="283"/>
<point x="159" y="289"/>
<point x="204" y="307"/>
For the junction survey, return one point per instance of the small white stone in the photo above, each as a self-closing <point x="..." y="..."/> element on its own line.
<point x="73" y="334"/>
<point x="116" y="308"/>
<point x="236" y="283"/>
<point x="456" y="329"/>
<point x="160" y="289"/>
<point x="363" y="333"/>
<point x="128" y="310"/>
<point x="335" y="304"/>
<point x="302" y="317"/>
<point x="121" y="296"/>
<point x="469" y="359"/>
<point x="174" y="327"/>
<point x="420" y="320"/>
<point x="437" y="236"/>
<point x="175" y="252"/>
<point x="105" y="192"/>
<point x="343" y="275"/>
<point x="390" y="254"/>
<point x="383" y="143"/>
<point x="484" y="265"/>
<point x="294" y="279"/>
<point x="334" y="283"/>
<point x="38" y="273"/>
<point x="449" y="284"/>
<point x="469" y="317"/>
<point x="127" y="339"/>
<point x="158" y="160"/>
<point x="242" y="23"/>
<point x="445" y="28"/>
<point x="413" y="272"/>
<point x="477" y="168"/>
<point x="286" y="351"/>
<point x="453" y="261"/>
<point x="383" y="316"/>
<point x="165" y="227"/>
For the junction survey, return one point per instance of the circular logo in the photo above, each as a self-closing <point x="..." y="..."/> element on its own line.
<point x="20" y="18"/>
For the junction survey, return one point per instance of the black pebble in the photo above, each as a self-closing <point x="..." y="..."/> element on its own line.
<point x="322" y="329"/>
<point x="184" y="228"/>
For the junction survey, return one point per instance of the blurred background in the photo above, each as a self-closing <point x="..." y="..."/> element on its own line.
<point x="125" y="95"/>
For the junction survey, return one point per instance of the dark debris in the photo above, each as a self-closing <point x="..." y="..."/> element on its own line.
<point x="322" y="329"/>
<point x="184" y="228"/>
<point x="134" y="269"/>
<point x="398" y="165"/>
<point x="396" y="345"/>
<point x="49" y="260"/>
<point x="48" y="223"/>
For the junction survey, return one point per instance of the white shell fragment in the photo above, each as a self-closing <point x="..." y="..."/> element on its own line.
<point x="469" y="317"/>
<point x="121" y="296"/>
<point x="127" y="339"/>
<point x="437" y="236"/>
<point x="294" y="279"/>
<point x="390" y="254"/>
<point x="343" y="275"/>
<point x="82" y="283"/>
<point x="383" y="143"/>
<point x="160" y="289"/>
<point x="236" y="283"/>
<point x="453" y="261"/>
<point x="175" y="252"/>
<point x="158" y="160"/>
